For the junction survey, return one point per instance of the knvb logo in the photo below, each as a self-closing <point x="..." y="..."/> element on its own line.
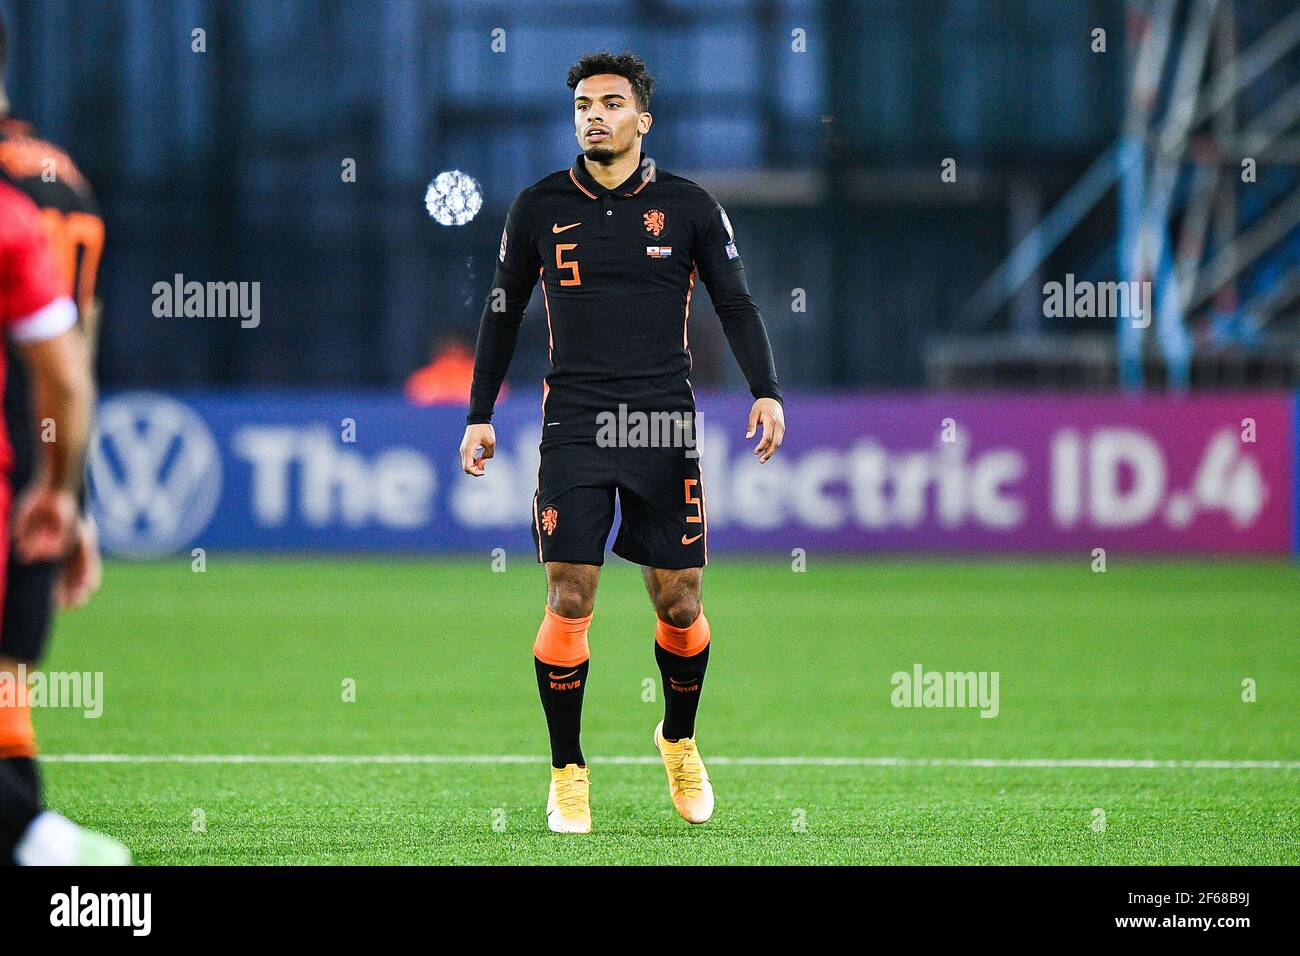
<point x="208" y="300"/>
<point x="634" y="429"/>
<point x="562" y="682"/>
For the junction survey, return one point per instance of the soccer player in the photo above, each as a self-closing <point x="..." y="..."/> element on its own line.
<point x="41" y="319"/>
<point x="71" y="219"/>
<point x="615" y="245"/>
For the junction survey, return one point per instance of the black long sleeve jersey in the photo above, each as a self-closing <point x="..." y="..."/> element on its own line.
<point x="617" y="268"/>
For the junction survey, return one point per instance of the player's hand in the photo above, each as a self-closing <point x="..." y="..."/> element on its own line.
<point x="478" y="445"/>
<point x="768" y="413"/>
<point x="44" y="519"/>
<point x="82" y="570"/>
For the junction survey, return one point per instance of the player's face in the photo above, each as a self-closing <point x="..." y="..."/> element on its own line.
<point x="605" y="117"/>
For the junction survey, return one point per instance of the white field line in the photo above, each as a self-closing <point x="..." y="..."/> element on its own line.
<point x="1029" y="763"/>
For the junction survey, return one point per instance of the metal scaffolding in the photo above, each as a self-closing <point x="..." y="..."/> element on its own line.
<point x="1205" y="118"/>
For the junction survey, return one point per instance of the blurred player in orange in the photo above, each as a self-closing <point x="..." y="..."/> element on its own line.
<point x="50" y="241"/>
<point x="41" y="319"/>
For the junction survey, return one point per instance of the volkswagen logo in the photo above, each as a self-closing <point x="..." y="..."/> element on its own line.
<point x="155" y="475"/>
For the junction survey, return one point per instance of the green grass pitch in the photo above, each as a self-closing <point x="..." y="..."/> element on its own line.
<point x="250" y="657"/>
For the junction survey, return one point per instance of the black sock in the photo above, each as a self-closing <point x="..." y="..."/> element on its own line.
<point x="683" y="680"/>
<point x="561" y="689"/>
<point x="18" y="808"/>
<point x="25" y="770"/>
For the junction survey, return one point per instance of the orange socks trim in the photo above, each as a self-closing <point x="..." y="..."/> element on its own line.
<point x="562" y="641"/>
<point x="683" y="641"/>
<point x="17" y="735"/>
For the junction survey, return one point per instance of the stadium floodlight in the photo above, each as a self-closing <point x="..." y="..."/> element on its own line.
<point x="453" y="198"/>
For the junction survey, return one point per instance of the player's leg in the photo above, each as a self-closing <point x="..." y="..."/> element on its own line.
<point x="20" y="800"/>
<point x="561" y="656"/>
<point x="681" y="645"/>
<point x="18" y="808"/>
<point x="17" y="734"/>
<point x="573" y="511"/>
<point x="30" y="836"/>
<point x="664" y="529"/>
<point x="682" y="652"/>
<point x="24" y="633"/>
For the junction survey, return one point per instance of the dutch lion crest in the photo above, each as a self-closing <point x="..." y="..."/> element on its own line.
<point x="656" y="222"/>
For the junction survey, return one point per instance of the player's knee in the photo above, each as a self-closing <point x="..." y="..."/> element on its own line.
<point x="571" y="597"/>
<point x="571" y="603"/>
<point x="679" y="609"/>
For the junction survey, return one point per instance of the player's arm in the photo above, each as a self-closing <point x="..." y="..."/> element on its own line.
<point x="724" y="275"/>
<point x="517" y="268"/>
<point x="62" y="393"/>
<point x="62" y="396"/>
<point x="82" y="571"/>
<point x="90" y="316"/>
<point x="62" y="399"/>
<point x="41" y="320"/>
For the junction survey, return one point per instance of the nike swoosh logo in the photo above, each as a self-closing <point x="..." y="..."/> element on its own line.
<point x="686" y="540"/>
<point x="555" y="676"/>
<point x="556" y="227"/>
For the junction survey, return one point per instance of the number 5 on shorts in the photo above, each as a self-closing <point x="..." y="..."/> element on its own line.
<point x="696" y="518"/>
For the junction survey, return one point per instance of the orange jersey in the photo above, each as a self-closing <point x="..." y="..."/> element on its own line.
<point x="74" y="232"/>
<point x="72" y="220"/>
<point x="33" y="306"/>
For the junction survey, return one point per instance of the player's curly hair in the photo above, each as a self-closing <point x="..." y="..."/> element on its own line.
<point x="627" y="65"/>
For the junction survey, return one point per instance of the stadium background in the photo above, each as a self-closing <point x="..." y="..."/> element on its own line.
<point x="824" y="130"/>
<point x="935" y="409"/>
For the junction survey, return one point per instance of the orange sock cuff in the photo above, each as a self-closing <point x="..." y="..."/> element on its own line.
<point x="683" y="641"/>
<point x="17" y="735"/>
<point x="562" y="641"/>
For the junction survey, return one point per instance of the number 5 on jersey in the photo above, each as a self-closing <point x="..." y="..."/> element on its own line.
<point x="572" y="265"/>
